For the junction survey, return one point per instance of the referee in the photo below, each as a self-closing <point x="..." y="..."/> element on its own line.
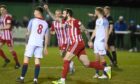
<point x="111" y="53"/>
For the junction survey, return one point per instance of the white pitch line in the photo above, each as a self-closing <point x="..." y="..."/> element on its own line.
<point x="57" y="67"/>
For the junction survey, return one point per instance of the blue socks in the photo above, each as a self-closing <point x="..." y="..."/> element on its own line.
<point x="24" y="69"/>
<point x="37" y="70"/>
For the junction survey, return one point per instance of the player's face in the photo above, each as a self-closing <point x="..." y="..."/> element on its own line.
<point x="2" y="10"/>
<point x="36" y="13"/>
<point x="96" y="13"/>
<point x="58" y="13"/>
<point x="106" y="11"/>
<point x="64" y="14"/>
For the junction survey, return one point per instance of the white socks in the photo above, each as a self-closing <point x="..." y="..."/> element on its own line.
<point x="62" y="79"/>
<point x="21" y="78"/>
<point x="35" y="79"/>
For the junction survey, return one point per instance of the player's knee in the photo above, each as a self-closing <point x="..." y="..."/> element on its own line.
<point x="37" y="61"/>
<point x="65" y="59"/>
<point x="26" y="60"/>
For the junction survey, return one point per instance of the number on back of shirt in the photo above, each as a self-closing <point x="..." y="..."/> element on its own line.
<point x="40" y="27"/>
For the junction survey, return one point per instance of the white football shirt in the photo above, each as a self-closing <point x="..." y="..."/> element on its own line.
<point x="38" y="29"/>
<point x="101" y="25"/>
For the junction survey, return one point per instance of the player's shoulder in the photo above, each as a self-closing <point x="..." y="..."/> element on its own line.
<point x="44" y="22"/>
<point x="32" y="19"/>
<point x="105" y="20"/>
<point x="110" y="18"/>
<point x="8" y="15"/>
<point x="76" y="20"/>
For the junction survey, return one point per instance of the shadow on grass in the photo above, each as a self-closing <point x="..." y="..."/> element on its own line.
<point x="117" y="69"/>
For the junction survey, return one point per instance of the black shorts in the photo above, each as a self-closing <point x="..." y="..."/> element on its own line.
<point x="111" y="40"/>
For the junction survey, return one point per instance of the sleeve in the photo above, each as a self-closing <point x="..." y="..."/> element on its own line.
<point x="30" y="24"/>
<point x="106" y="23"/>
<point x="111" y="20"/>
<point x="8" y="20"/>
<point x="52" y="27"/>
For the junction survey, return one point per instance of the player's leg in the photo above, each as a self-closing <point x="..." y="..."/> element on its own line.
<point x="114" y="54"/>
<point x="103" y="62"/>
<point x="109" y="55"/>
<point x="38" y="55"/>
<point x="113" y="50"/>
<point x="2" y="54"/>
<point x="97" y="59"/>
<point x="85" y="61"/>
<point x="63" y="51"/>
<point x="27" y="55"/>
<point x="37" y="70"/>
<point x="95" y="65"/>
<point x="102" y="54"/>
<point x="68" y="57"/>
<point x="14" y="54"/>
<point x="71" y="66"/>
<point x="24" y="69"/>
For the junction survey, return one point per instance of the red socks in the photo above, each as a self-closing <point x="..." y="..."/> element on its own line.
<point x="96" y="65"/>
<point x="65" y="68"/>
<point x="15" y="57"/>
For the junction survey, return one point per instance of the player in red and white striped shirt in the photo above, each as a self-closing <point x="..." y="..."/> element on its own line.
<point x="76" y="47"/>
<point x="6" y="35"/>
<point x="58" y="28"/>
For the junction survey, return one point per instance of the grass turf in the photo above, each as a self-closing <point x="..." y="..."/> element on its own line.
<point x="127" y="73"/>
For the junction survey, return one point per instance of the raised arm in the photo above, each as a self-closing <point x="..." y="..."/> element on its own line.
<point x="49" y="12"/>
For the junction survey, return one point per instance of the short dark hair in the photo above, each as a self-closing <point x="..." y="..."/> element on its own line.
<point x="3" y="6"/>
<point x="40" y="9"/>
<point x="107" y="7"/>
<point x="69" y="11"/>
<point x="100" y="9"/>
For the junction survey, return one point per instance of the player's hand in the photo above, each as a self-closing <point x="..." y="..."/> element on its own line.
<point x="90" y="44"/>
<point x="46" y="7"/>
<point x="45" y="52"/>
<point x="90" y="14"/>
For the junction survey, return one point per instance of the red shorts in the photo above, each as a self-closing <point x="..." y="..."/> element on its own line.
<point x="63" y="47"/>
<point x="8" y="42"/>
<point x="77" y="48"/>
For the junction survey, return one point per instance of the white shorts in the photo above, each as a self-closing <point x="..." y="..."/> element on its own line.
<point x="99" y="48"/>
<point x="33" y="50"/>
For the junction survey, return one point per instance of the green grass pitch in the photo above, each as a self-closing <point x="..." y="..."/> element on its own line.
<point x="127" y="73"/>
